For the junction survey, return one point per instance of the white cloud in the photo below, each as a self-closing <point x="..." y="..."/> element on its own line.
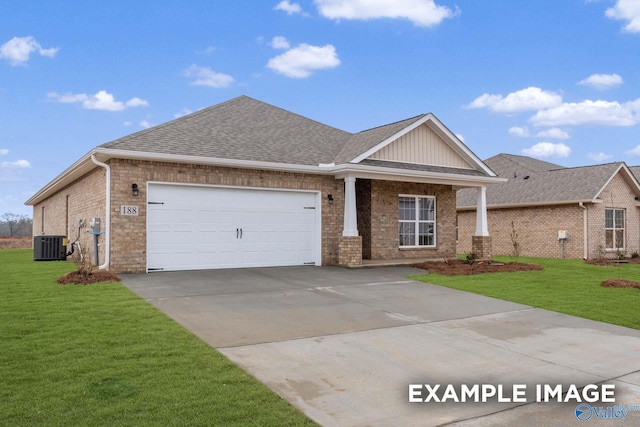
<point x="523" y="132"/>
<point x="145" y="124"/>
<point x="18" y="49"/>
<point x="424" y="13"/>
<point x="18" y="164"/>
<point x="602" y="81"/>
<point x="3" y="151"/>
<point x="634" y="151"/>
<point x="531" y="98"/>
<point x="460" y="137"/>
<point x="127" y="123"/>
<point x="302" y="60"/>
<point x="290" y="8"/>
<point x="279" y="42"/>
<point x="136" y="102"/>
<point x="554" y="133"/>
<point x="598" y="113"/>
<point x="599" y="157"/>
<point x="626" y="10"/>
<point x="518" y="131"/>
<point x="548" y="149"/>
<point x="102" y="100"/>
<point x="203" y="76"/>
<point x="183" y="112"/>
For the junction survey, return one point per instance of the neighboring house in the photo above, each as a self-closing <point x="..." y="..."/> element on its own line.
<point x="597" y="206"/>
<point x="247" y="184"/>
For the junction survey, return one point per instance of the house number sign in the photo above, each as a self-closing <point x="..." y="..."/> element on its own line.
<point x="129" y="210"/>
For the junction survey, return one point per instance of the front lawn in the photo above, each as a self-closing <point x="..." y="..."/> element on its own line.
<point x="97" y="355"/>
<point x="566" y="286"/>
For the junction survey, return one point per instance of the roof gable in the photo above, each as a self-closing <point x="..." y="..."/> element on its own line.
<point x="422" y="146"/>
<point x="419" y="140"/>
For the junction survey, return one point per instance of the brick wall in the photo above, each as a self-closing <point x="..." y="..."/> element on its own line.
<point x="128" y="233"/>
<point x="82" y="199"/>
<point x="384" y="220"/>
<point x="537" y="227"/>
<point x="617" y="194"/>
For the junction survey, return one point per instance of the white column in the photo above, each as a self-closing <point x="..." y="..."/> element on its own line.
<point x="350" y="215"/>
<point x="482" y="228"/>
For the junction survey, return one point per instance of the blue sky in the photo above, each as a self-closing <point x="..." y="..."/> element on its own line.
<point x="557" y="80"/>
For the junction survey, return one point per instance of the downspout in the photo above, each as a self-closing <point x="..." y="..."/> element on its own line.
<point x="107" y="219"/>
<point x="585" y="244"/>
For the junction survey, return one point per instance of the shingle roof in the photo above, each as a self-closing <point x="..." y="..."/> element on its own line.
<point x="241" y="128"/>
<point x="538" y="182"/>
<point x="367" y="139"/>
<point x="636" y="171"/>
<point x="250" y="130"/>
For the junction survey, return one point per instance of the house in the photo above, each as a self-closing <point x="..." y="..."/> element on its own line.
<point x="547" y="210"/>
<point x="247" y="184"/>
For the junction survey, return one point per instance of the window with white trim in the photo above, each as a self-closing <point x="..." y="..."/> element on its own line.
<point x="417" y="221"/>
<point x="614" y="228"/>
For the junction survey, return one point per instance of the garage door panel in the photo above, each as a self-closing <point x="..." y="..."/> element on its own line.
<point x="214" y="227"/>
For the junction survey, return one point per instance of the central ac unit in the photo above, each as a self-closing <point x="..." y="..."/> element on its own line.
<point x="49" y="248"/>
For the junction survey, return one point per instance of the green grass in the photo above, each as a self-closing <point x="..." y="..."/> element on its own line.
<point x="566" y="286"/>
<point x="99" y="355"/>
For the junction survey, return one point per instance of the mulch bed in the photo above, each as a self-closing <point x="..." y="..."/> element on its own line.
<point x="463" y="268"/>
<point x="619" y="283"/>
<point x="77" y="278"/>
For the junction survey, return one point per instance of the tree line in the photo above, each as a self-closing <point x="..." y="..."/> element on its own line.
<point x="15" y="225"/>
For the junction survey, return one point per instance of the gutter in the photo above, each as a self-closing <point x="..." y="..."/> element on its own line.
<point x="107" y="219"/>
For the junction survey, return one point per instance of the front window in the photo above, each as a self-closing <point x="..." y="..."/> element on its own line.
<point x="614" y="228"/>
<point x="417" y="221"/>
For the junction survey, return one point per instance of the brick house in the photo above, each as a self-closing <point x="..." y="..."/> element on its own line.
<point x="247" y="184"/>
<point x="598" y="207"/>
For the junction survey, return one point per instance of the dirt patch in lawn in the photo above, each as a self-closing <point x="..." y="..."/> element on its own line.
<point x="463" y="268"/>
<point x="620" y="283"/>
<point x="78" y="278"/>
<point x="608" y="262"/>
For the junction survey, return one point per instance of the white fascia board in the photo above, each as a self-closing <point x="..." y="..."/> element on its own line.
<point x="387" y="174"/>
<point x="210" y="161"/>
<point x="442" y="130"/>
<point x="529" y="205"/>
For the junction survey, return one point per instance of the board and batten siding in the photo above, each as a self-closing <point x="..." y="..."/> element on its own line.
<point x="421" y="146"/>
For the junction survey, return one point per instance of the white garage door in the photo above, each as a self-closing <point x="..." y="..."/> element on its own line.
<point x="200" y="227"/>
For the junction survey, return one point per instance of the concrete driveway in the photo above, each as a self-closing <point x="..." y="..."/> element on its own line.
<point x="344" y="345"/>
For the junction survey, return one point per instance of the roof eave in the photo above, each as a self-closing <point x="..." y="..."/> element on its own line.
<point x="529" y="204"/>
<point x="85" y="165"/>
<point x="389" y="174"/>
<point x="73" y="172"/>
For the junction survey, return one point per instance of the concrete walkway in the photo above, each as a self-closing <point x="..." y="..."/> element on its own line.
<point x="344" y="345"/>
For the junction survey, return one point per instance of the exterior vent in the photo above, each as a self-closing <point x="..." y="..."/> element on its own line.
<point x="49" y="248"/>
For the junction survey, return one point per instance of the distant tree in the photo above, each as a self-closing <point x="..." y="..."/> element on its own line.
<point x="15" y="225"/>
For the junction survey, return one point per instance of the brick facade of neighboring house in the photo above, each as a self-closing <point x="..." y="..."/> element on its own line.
<point x="184" y="152"/>
<point x="534" y="225"/>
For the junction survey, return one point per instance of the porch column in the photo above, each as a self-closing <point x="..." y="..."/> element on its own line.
<point x="481" y="241"/>
<point x="482" y="228"/>
<point x="350" y="213"/>
<point x="350" y="244"/>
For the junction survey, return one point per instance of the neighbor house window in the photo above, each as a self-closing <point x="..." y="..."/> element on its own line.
<point x="417" y="221"/>
<point x="614" y="228"/>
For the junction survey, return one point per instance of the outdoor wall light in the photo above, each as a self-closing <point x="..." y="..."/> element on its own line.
<point x="134" y="189"/>
<point x="330" y="198"/>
